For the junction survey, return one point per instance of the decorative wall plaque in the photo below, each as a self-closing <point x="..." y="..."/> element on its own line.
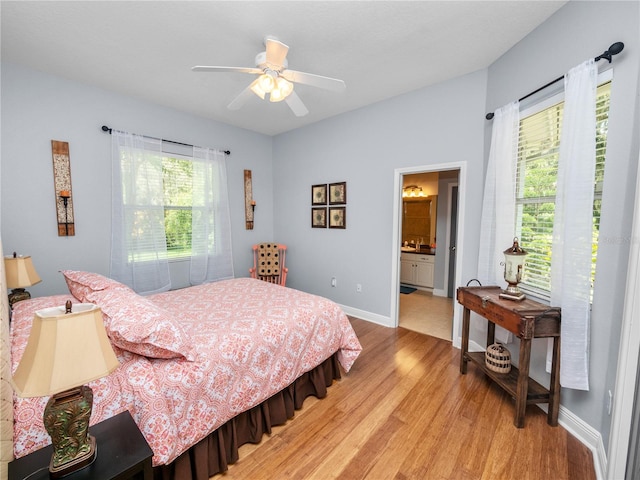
<point x="62" y="188"/>
<point x="249" y="202"/>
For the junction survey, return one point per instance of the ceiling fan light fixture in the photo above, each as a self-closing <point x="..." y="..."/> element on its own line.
<point x="281" y="91"/>
<point x="273" y="78"/>
<point x="267" y="80"/>
<point x="257" y="88"/>
<point x="284" y="86"/>
<point x="276" y="95"/>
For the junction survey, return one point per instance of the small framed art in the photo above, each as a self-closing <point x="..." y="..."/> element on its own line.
<point x="319" y="194"/>
<point x="319" y="217"/>
<point x="338" y="193"/>
<point x="337" y="217"/>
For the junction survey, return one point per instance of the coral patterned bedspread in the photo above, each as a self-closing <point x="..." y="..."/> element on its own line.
<point x="249" y="339"/>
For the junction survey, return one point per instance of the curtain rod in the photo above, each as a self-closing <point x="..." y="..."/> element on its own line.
<point x="107" y="129"/>
<point x="614" y="49"/>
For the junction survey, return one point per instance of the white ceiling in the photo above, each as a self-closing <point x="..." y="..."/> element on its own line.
<point x="380" y="49"/>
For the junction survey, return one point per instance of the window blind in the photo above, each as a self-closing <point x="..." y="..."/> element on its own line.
<point x="536" y="174"/>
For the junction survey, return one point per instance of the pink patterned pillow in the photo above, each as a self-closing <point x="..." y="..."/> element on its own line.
<point x="138" y="325"/>
<point x="82" y="284"/>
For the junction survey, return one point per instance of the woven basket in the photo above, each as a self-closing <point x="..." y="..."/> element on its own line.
<point x="497" y="358"/>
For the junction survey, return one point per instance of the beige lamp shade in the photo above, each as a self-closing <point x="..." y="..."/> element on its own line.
<point x="20" y="272"/>
<point x="64" y="350"/>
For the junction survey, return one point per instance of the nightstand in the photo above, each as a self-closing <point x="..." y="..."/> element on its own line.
<point x="123" y="453"/>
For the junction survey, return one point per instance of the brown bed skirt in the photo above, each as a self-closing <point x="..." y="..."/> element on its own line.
<point x="214" y="453"/>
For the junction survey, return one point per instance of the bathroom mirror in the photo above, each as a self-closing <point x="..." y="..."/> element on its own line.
<point x="419" y="219"/>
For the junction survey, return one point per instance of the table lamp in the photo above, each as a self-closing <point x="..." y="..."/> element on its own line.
<point x="65" y="350"/>
<point x="20" y="274"/>
<point x="513" y="268"/>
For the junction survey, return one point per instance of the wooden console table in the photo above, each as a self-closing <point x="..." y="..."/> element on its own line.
<point x="526" y="319"/>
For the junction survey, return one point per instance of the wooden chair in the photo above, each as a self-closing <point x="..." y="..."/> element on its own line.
<point x="269" y="263"/>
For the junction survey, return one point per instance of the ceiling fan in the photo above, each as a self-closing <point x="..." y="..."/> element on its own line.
<point x="274" y="79"/>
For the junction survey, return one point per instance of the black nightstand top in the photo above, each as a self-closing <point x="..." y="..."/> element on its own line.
<point x="123" y="453"/>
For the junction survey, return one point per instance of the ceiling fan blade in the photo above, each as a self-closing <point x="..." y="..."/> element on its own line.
<point x="241" y="99"/>
<point x="205" y="68"/>
<point x="319" y="81"/>
<point x="276" y="52"/>
<point x="296" y="105"/>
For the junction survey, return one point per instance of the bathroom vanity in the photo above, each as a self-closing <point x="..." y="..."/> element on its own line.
<point x="416" y="268"/>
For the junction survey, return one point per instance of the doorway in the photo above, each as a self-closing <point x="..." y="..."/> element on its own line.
<point x="446" y="261"/>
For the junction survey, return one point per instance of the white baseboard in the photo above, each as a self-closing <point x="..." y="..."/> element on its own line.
<point x="438" y="292"/>
<point x="600" y="459"/>
<point x="369" y="316"/>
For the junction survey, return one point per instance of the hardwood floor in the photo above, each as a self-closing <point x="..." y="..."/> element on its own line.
<point x="405" y="412"/>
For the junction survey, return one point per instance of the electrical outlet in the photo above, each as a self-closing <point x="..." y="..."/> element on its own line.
<point x="358" y="288"/>
<point x="334" y="282"/>
<point x="609" y="402"/>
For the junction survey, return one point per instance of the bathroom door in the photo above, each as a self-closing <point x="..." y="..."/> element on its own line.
<point x="452" y="240"/>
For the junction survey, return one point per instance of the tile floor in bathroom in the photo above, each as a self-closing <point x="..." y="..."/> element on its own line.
<point x="426" y="313"/>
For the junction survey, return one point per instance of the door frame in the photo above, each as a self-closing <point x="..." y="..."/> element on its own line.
<point x="624" y="400"/>
<point x="396" y="241"/>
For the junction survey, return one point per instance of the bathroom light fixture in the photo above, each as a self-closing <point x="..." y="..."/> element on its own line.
<point x="412" y="191"/>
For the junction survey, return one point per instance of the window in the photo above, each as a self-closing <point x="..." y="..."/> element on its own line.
<point x="178" y="184"/>
<point x="170" y="177"/>
<point x="537" y="168"/>
<point x="169" y="202"/>
<point x="177" y="176"/>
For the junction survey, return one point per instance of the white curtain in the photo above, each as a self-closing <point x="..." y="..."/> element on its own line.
<point x="211" y="257"/>
<point x="573" y="223"/>
<point x="497" y="228"/>
<point x="138" y="243"/>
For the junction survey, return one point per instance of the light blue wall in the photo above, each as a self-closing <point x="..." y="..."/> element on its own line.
<point x="436" y="125"/>
<point x="578" y="31"/>
<point x="38" y="108"/>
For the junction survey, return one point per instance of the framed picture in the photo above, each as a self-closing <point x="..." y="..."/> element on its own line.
<point x="338" y="193"/>
<point x="337" y="217"/>
<point x="319" y="194"/>
<point x="319" y="217"/>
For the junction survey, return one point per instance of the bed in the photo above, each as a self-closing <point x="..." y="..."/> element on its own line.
<point x="204" y="369"/>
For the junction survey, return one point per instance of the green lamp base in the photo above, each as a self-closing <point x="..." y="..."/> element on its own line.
<point x="66" y="418"/>
<point x="17" y="295"/>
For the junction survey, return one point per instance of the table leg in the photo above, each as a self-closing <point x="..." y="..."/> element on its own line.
<point x="148" y="470"/>
<point x="491" y="333"/>
<point x="522" y="388"/>
<point x="554" y="385"/>
<point x="464" y="348"/>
